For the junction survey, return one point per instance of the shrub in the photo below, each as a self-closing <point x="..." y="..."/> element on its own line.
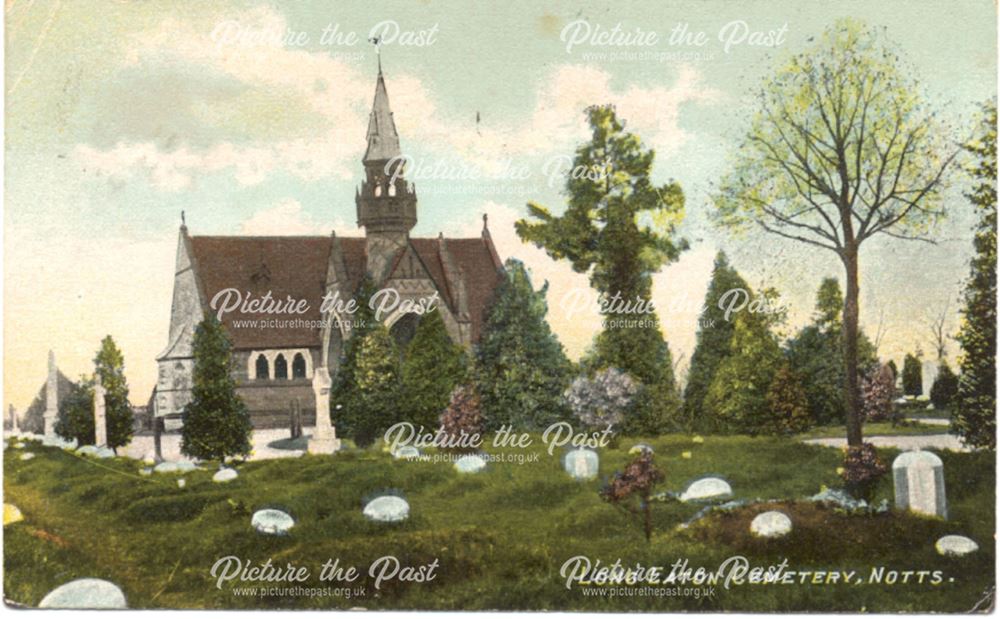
<point x="861" y="471"/>
<point x="434" y="365"/>
<point x="631" y="489"/>
<point x="878" y="389"/>
<point x="787" y="402"/>
<point x="377" y="388"/>
<point x="462" y="421"/>
<point x="601" y="401"/>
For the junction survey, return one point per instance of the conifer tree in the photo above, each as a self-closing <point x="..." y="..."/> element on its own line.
<point x="714" y="335"/>
<point x="619" y="228"/>
<point x="912" y="376"/>
<point x="109" y="371"/>
<point x="521" y="369"/>
<point x="975" y="418"/>
<point x="376" y="404"/>
<point x="787" y="403"/>
<point x="434" y="365"/>
<point x="216" y="422"/>
<point x="344" y="388"/>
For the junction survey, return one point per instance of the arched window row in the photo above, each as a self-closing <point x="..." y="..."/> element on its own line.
<point x="279" y="364"/>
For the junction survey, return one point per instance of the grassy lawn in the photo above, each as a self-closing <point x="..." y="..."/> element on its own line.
<point x="500" y="537"/>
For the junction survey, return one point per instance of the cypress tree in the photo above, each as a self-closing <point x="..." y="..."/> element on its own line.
<point x="974" y="418"/>
<point x="521" y="370"/>
<point x="714" y="335"/>
<point x="109" y="370"/>
<point x="376" y="404"/>
<point x="433" y="366"/>
<point x="216" y="422"/>
<point x="912" y="376"/>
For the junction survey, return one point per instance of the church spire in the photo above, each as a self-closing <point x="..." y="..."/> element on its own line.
<point x="383" y="141"/>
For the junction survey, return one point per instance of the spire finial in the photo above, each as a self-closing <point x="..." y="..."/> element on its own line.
<point x="377" y="42"/>
<point x="183" y="222"/>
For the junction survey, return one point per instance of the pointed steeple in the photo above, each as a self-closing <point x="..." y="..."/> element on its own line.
<point x="383" y="141"/>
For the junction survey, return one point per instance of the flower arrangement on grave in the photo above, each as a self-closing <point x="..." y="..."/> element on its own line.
<point x="632" y="489"/>
<point x="861" y="471"/>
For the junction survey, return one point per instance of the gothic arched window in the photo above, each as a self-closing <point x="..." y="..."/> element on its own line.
<point x="378" y="191"/>
<point x="299" y="366"/>
<point x="392" y="190"/>
<point x="280" y="368"/>
<point x="261" y="368"/>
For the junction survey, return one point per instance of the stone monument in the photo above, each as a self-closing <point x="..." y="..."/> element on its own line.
<point x="324" y="439"/>
<point x="51" y="398"/>
<point x="918" y="477"/>
<point x="100" y="417"/>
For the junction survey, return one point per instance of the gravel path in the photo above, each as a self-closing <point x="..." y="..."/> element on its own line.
<point x="947" y="442"/>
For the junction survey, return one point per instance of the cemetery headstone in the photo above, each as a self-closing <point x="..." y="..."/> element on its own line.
<point x="918" y="477"/>
<point x="581" y="463"/>
<point x="707" y="488"/>
<point x="470" y="464"/>
<point x="955" y="546"/>
<point x="388" y="508"/>
<point x="771" y="524"/>
<point x="271" y="521"/>
<point x="85" y="593"/>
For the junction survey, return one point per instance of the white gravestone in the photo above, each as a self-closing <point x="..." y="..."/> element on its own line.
<point x="928" y="374"/>
<point x="324" y="439"/>
<point x="918" y="477"/>
<point x="85" y="593"/>
<point x="771" y="524"/>
<point x="707" y="488"/>
<point x="100" y="417"/>
<point x="581" y="463"/>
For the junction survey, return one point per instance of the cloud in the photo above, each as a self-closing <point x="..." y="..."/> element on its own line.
<point x="287" y="218"/>
<point x="286" y="109"/>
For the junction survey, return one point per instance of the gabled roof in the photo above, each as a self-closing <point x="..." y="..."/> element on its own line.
<point x="287" y="266"/>
<point x="295" y="266"/>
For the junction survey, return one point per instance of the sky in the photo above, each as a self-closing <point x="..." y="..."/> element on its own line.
<point x="250" y="117"/>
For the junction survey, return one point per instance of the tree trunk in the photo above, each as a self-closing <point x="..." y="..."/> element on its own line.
<point x="852" y="389"/>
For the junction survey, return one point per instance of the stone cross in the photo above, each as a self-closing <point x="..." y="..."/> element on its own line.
<point x="324" y="439"/>
<point x="918" y="477"/>
<point x="100" y="418"/>
<point x="51" y="398"/>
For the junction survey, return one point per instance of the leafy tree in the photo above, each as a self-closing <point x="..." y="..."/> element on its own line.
<point x="76" y="413"/>
<point x="816" y="353"/>
<point x="975" y="418"/>
<point x="912" y="376"/>
<point x="377" y="386"/>
<point x="462" y="422"/>
<point x="787" y="403"/>
<point x="738" y="394"/>
<point x="216" y="422"/>
<point x="521" y="369"/>
<point x="840" y="150"/>
<point x="714" y="334"/>
<point x="602" y="401"/>
<point x="945" y="386"/>
<point x="619" y="228"/>
<point x="344" y="389"/>
<point x="632" y="489"/>
<point x="433" y="366"/>
<point x="109" y="370"/>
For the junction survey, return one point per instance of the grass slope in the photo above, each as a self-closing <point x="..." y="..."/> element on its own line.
<point x="500" y="536"/>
